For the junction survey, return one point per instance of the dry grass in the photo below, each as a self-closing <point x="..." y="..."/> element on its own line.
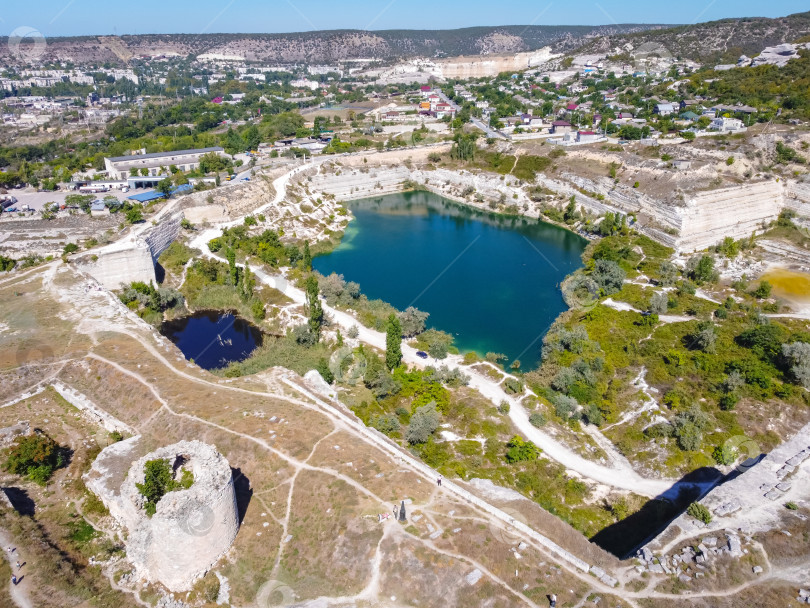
<point x="332" y="542"/>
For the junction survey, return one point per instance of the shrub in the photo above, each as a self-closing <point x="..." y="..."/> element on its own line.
<point x="34" y="456"/>
<point x="727" y="402"/>
<point x="699" y="512"/>
<point x="608" y="275"/>
<point x="724" y="454"/>
<point x="798" y="354"/>
<point x="763" y="290"/>
<point x="700" y="268"/>
<point x="521" y="451"/>
<point x="704" y="338"/>
<point x="158" y="481"/>
<point x="592" y="414"/>
<point x="385" y="423"/>
<point x="658" y="303"/>
<point x="537" y="419"/>
<point x="564" y="406"/>
<point x="424" y="422"/>
<point x="513" y="386"/>
<point x="792" y="506"/>
<point x="504" y="407"/>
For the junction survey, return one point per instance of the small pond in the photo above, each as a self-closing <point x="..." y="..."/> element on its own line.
<point x="213" y="338"/>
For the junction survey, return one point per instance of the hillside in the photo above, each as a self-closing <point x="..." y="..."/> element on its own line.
<point x="322" y="46"/>
<point x="713" y="41"/>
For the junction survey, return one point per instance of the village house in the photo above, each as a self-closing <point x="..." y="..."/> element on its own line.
<point x="560" y="126"/>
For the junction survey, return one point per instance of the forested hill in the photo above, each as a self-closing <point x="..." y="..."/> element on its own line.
<point x="324" y="46"/>
<point x="713" y="41"/>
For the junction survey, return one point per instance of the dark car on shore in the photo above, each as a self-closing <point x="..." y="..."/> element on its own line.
<point x="421" y="354"/>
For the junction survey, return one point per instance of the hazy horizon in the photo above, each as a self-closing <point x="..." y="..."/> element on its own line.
<point x="66" y="18"/>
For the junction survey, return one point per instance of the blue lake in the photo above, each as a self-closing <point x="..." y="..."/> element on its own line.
<point x="493" y="281"/>
<point x="213" y="339"/>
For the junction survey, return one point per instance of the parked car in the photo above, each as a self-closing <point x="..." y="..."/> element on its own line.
<point x="421" y="354"/>
<point x="245" y="179"/>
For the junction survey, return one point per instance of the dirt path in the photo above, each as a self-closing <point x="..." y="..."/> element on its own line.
<point x="19" y="592"/>
<point x="622" y="476"/>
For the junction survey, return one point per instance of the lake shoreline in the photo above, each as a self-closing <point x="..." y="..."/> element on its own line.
<point x="508" y="269"/>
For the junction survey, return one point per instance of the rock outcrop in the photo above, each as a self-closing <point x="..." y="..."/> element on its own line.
<point x="191" y="528"/>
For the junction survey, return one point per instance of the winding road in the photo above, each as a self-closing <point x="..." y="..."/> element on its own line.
<point x="621" y="475"/>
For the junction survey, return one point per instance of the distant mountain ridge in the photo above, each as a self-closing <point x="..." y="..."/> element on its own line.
<point x="717" y="41"/>
<point x="712" y="41"/>
<point x="330" y="45"/>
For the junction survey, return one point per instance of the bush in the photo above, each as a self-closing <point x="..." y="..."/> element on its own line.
<point x="34" y="456"/>
<point x="608" y="275"/>
<point x="592" y="414"/>
<point x="521" y="451"/>
<point x="424" y="422"/>
<point x="659" y="303"/>
<point x="564" y="406"/>
<point x="699" y="512"/>
<point x="70" y="248"/>
<point x="700" y="268"/>
<point x="385" y="423"/>
<point x="798" y="354"/>
<point x="513" y="386"/>
<point x="537" y="419"/>
<point x="724" y="455"/>
<point x="704" y="338"/>
<point x="763" y="290"/>
<point x="158" y="481"/>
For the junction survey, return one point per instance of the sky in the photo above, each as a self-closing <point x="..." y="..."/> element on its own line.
<point x="87" y="17"/>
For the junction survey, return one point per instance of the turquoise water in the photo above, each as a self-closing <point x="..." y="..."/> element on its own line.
<point x="492" y="281"/>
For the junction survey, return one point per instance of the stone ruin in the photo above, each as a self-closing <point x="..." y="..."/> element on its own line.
<point x="191" y="528"/>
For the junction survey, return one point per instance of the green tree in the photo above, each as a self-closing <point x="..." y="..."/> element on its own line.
<point x="314" y="306"/>
<point x="134" y="215"/>
<point x="157" y="482"/>
<point x="424" y="422"/>
<point x="393" y="342"/>
<point x="82" y="201"/>
<point x="165" y="186"/>
<point x="306" y="259"/>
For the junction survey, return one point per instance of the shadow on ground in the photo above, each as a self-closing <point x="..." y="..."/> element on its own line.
<point x="623" y="538"/>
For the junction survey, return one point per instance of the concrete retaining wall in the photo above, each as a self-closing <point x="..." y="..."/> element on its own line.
<point x="130" y="262"/>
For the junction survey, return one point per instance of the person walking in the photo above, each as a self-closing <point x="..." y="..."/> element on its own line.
<point x="14" y="579"/>
<point x="439" y="481"/>
<point x="553" y="600"/>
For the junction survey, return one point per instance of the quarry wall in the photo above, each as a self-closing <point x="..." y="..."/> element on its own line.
<point x="735" y="212"/>
<point x="161" y="236"/>
<point x="693" y="224"/>
<point x="128" y="261"/>
<point x="492" y="65"/>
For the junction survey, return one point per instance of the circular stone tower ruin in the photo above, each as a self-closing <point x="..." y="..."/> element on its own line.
<point x="191" y="528"/>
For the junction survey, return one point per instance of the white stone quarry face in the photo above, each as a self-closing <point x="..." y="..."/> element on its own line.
<point x="191" y="529"/>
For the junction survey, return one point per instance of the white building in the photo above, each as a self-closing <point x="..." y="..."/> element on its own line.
<point x="726" y="125"/>
<point x="120" y="167"/>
